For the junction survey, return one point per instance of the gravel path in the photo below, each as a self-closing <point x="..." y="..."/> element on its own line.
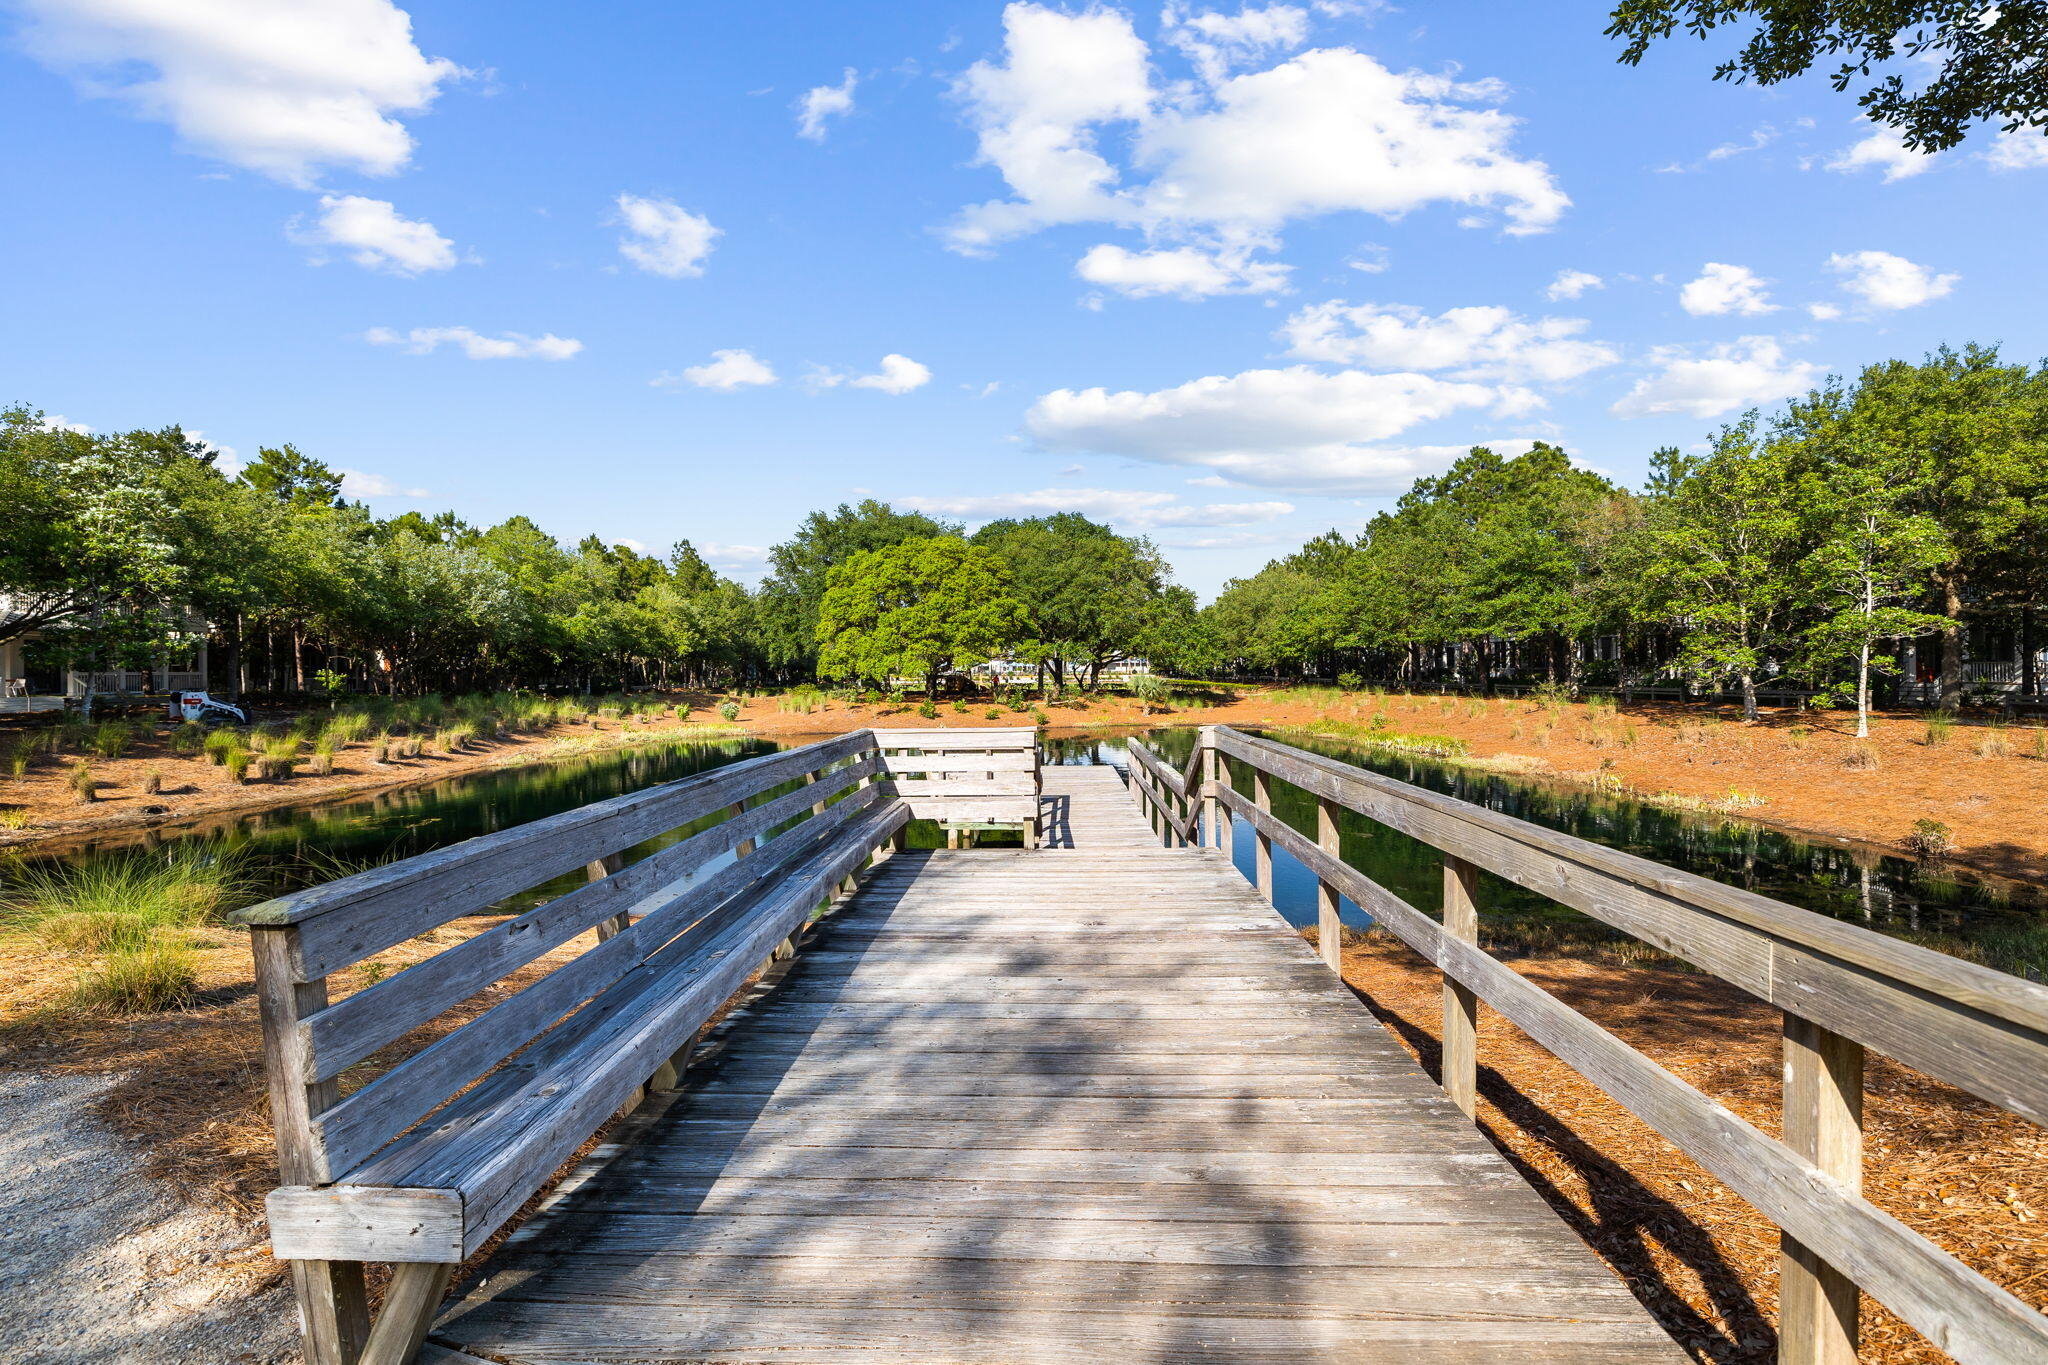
<point x="100" y="1266"/>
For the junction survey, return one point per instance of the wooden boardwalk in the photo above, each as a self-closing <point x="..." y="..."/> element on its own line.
<point x="1093" y="1102"/>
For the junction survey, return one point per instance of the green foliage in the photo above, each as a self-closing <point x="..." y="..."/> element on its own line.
<point x="1939" y="726"/>
<point x="918" y="607"/>
<point x="730" y="710"/>
<point x="1972" y="63"/>
<point x="929" y="710"/>
<point x="1930" y="838"/>
<point x="83" y="784"/>
<point x="111" y="738"/>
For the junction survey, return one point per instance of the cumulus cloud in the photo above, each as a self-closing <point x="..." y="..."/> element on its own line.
<point x="1135" y="508"/>
<point x="1570" y="284"/>
<point x="2023" y="149"/>
<point x="1739" y="374"/>
<point x="1726" y="289"/>
<point x="1215" y="43"/>
<point x="475" y="345"/>
<point x="1231" y="159"/>
<point x="899" y="374"/>
<point x="356" y="483"/>
<point x="1294" y="428"/>
<point x="1881" y="151"/>
<point x="285" y="90"/>
<point x="1884" y="281"/>
<point x="375" y="236"/>
<point x="663" y="238"/>
<point x="1183" y="272"/>
<point x="726" y="370"/>
<point x="1470" y="343"/>
<point x="823" y="102"/>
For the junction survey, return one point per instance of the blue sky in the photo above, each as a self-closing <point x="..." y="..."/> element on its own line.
<point x="1227" y="277"/>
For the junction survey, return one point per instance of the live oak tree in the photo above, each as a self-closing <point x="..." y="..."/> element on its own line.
<point x="917" y="607"/>
<point x="799" y="566"/>
<point x="1988" y="61"/>
<point x="1089" y="594"/>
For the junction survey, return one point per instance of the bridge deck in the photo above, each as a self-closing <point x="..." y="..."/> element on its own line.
<point x="1093" y="1102"/>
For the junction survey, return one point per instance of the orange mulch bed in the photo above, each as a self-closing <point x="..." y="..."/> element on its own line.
<point x="1965" y="1174"/>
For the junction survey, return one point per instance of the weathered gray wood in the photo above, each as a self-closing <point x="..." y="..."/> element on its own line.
<point x="596" y="871"/>
<point x="334" y="1308"/>
<point x="409" y="1302"/>
<point x="1818" y="1306"/>
<point x="353" y="1028"/>
<point x="1982" y="1030"/>
<point x="1959" y="1310"/>
<point x="1329" y="929"/>
<point x="331" y="1223"/>
<point x="350" y="1131"/>
<point x="1023" y="759"/>
<point x="1461" y="1006"/>
<point x="1262" y="868"/>
<point x="389" y="904"/>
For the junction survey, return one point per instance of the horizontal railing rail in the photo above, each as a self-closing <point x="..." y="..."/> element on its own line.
<point x="426" y="1156"/>
<point x="1841" y="989"/>
<point x="966" y="779"/>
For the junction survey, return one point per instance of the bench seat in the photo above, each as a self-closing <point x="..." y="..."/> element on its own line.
<point x="439" y="1190"/>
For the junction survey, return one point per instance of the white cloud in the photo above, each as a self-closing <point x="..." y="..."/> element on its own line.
<point x="59" y="422"/>
<point x="637" y="547"/>
<point x="1230" y="162"/>
<point x="899" y="374"/>
<point x="663" y="238"/>
<point x="1470" y="343"/>
<point x="1128" y="507"/>
<point x="1569" y="284"/>
<point x="475" y="345"/>
<point x="1885" y="281"/>
<point x="726" y="370"/>
<point x="1882" y="150"/>
<point x="1183" y="272"/>
<point x="823" y="102"/>
<point x="1726" y="289"/>
<point x="1370" y="259"/>
<point x="1292" y="428"/>
<point x="1215" y="43"/>
<point x="1739" y="374"/>
<point x="357" y="484"/>
<point x="286" y="90"/>
<point x="373" y="235"/>
<point x="2025" y="149"/>
<point x="1823" y="312"/>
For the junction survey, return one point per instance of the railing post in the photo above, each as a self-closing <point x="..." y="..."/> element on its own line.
<point x="334" y="1306"/>
<point x="1262" y="797"/>
<point x="1210" y="805"/>
<point x="1818" y="1306"/>
<point x="1461" y="1006"/>
<point x="1329" y="932"/>
<point x="734" y="812"/>
<point x="597" y="869"/>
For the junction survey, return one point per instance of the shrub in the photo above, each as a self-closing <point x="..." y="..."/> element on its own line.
<point x="82" y="783"/>
<point x="959" y="708"/>
<point x="993" y="713"/>
<point x="153" y="781"/>
<point x="1038" y="716"/>
<point x="729" y="709"/>
<point x="929" y="710"/>
<point x="1939" y="724"/>
<point x="1930" y="838"/>
<point x="1862" y="757"/>
<point x="1350" y="682"/>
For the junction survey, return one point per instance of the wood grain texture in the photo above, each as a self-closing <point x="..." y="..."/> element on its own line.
<point x="1058" y="1105"/>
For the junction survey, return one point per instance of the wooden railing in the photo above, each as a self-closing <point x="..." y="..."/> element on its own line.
<point x="425" y="1158"/>
<point x="1842" y="990"/>
<point x="966" y="779"/>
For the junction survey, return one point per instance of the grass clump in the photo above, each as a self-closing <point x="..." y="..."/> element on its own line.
<point x="1940" y="724"/>
<point x="130" y="919"/>
<point x="83" y="784"/>
<point x="1860" y="758"/>
<point x="111" y="738"/>
<point x="1992" y="743"/>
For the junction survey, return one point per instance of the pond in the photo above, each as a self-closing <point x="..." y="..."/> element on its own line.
<point x="1999" y="922"/>
<point x="2002" y="923"/>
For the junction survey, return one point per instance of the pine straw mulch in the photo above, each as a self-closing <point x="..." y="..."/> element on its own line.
<point x="1965" y="1174"/>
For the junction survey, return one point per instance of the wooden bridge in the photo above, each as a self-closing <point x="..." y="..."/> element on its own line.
<point x="1085" y="1100"/>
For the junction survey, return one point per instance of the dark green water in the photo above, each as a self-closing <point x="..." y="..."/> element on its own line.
<point x="2003" y="923"/>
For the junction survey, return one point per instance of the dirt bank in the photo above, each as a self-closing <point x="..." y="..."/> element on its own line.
<point x="1800" y="771"/>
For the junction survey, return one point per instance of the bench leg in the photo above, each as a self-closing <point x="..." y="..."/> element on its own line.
<point x="409" y="1307"/>
<point x="334" y="1310"/>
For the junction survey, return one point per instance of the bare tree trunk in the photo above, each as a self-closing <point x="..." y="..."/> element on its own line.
<point x="1748" y="680"/>
<point x="1951" y="638"/>
<point x="2029" y="670"/>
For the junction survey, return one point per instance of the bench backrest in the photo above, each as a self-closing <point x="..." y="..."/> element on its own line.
<point x="963" y="776"/>
<point x="769" y="812"/>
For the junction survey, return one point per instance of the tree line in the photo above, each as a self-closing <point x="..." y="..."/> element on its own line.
<point x="1805" y="548"/>
<point x="121" y="550"/>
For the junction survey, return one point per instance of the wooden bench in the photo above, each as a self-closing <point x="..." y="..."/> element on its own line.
<point x="967" y="780"/>
<point x="422" y="1162"/>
